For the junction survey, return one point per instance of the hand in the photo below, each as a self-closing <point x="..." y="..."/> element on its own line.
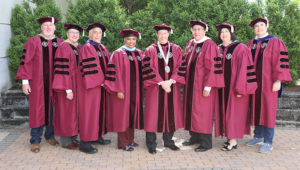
<point x="276" y="86"/>
<point x="26" y="89"/>
<point x="166" y="85"/>
<point x="168" y="90"/>
<point x="169" y="82"/>
<point x="238" y="95"/>
<point x="70" y="96"/>
<point x="206" y="93"/>
<point x="120" y="95"/>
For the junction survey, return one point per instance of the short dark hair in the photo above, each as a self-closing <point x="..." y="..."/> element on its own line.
<point x="232" y="35"/>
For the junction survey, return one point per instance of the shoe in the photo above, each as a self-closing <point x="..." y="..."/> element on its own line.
<point x="201" y="149"/>
<point x="254" y="141"/>
<point x="52" y="141"/>
<point x="265" y="148"/>
<point x="102" y="141"/>
<point x="75" y="141"/>
<point x="88" y="150"/>
<point x="35" y="148"/>
<point x="134" y="144"/>
<point x="152" y="151"/>
<point x="188" y="143"/>
<point x="127" y="148"/>
<point x="226" y="143"/>
<point x="173" y="147"/>
<point x="71" y="146"/>
<point x="229" y="147"/>
<point x="75" y="144"/>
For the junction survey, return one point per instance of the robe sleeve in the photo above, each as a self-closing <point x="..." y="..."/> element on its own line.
<point x="89" y="68"/>
<point x="26" y="65"/>
<point x="150" y="72"/>
<point x="179" y="71"/>
<point x="62" y="64"/>
<point x="114" y="79"/>
<point x="245" y="82"/>
<point x="249" y="44"/>
<point x="213" y="67"/>
<point x="280" y="62"/>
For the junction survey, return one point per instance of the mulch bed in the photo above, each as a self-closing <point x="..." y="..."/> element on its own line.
<point x="293" y="89"/>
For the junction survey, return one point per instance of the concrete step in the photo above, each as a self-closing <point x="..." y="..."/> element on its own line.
<point x="14" y="112"/>
<point x="287" y="124"/>
<point x="289" y="100"/>
<point x="4" y="123"/>
<point x="13" y="93"/>
<point x="14" y="101"/>
<point x="290" y="94"/>
<point x="13" y="98"/>
<point x="288" y="114"/>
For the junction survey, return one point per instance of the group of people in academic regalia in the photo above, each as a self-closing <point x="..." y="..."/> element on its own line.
<point x="82" y="90"/>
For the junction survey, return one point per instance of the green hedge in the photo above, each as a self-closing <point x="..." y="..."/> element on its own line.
<point x="283" y="14"/>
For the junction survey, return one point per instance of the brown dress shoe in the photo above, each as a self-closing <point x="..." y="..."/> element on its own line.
<point x="75" y="144"/>
<point x="71" y="146"/>
<point x="35" y="148"/>
<point x="52" y="141"/>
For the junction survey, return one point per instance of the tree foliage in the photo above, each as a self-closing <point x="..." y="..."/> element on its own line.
<point x="108" y="12"/>
<point x="284" y="16"/>
<point x="178" y="13"/>
<point x="132" y="6"/>
<point x="24" y="25"/>
<point x="142" y="15"/>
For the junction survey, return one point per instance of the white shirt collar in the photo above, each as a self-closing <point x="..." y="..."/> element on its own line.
<point x="202" y="40"/>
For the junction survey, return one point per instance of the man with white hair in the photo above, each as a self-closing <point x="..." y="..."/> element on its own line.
<point x="93" y="59"/>
<point x="36" y="73"/>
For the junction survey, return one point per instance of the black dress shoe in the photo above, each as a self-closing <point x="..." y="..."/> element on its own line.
<point x="201" y="149"/>
<point x="75" y="141"/>
<point x="226" y="143"/>
<point x="229" y="147"/>
<point x="88" y="150"/>
<point x="152" y="151"/>
<point x="173" y="147"/>
<point x="102" y="141"/>
<point x="127" y="148"/>
<point x="188" y="143"/>
<point x="134" y="144"/>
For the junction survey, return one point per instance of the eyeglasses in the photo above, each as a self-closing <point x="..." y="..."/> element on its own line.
<point x="74" y="33"/>
<point x="199" y="29"/>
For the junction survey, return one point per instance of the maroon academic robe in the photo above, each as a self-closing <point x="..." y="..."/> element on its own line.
<point x="37" y="66"/>
<point x="163" y="111"/>
<point x="271" y="63"/>
<point x="204" y="68"/>
<point x="239" y="75"/>
<point x="93" y="63"/>
<point x="66" y="76"/>
<point x="124" y="74"/>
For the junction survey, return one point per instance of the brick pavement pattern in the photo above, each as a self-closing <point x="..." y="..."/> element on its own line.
<point x="285" y="155"/>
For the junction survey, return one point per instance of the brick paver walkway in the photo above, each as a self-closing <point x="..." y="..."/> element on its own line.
<point x="15" y="154"/>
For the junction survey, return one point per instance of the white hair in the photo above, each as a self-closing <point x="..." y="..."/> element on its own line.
<point x="90" y="31"/>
